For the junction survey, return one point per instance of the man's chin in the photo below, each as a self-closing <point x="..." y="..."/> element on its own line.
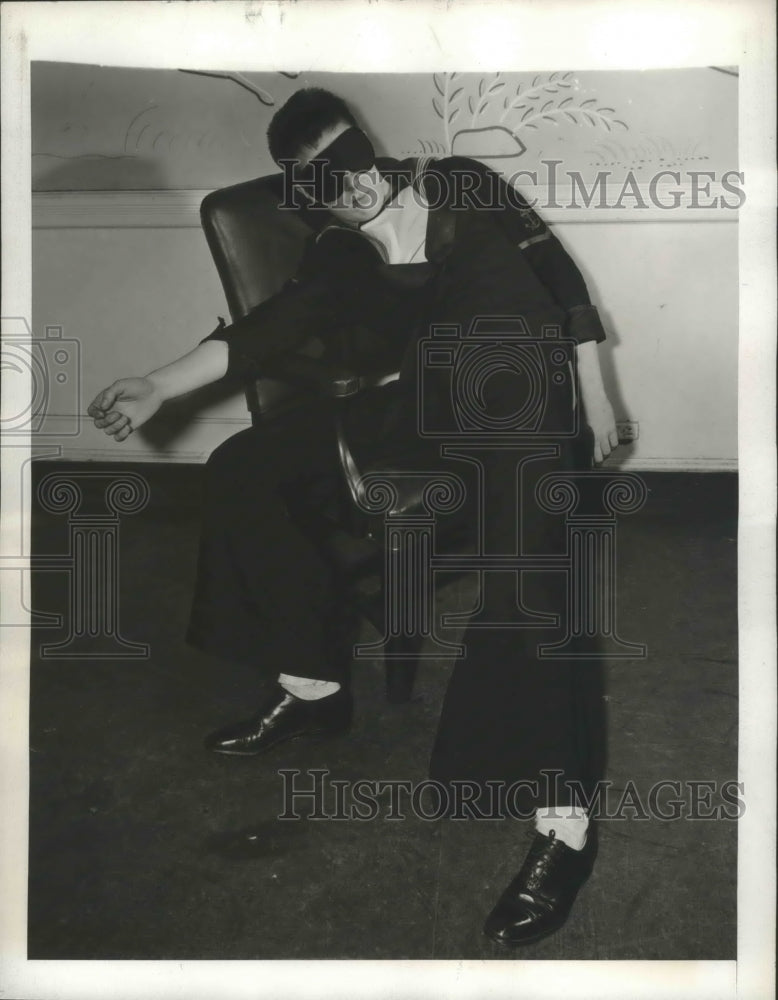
<point x="357" y="216"/>
<point x="369" y="211"/>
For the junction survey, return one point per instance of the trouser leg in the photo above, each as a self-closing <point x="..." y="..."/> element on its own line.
<point x="510" y="715"/>
<point x="263" y="594"/>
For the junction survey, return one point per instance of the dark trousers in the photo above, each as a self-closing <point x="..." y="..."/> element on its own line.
<point x="265" y="596"/>
<point x="510" y="715"/>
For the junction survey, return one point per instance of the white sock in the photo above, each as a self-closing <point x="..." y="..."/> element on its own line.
<point x="307" y="688"/>
<point x="569" y="824"/>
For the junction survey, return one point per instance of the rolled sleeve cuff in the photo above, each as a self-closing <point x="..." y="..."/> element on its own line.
<point x="584" y="324"/>
<point x="239" y="364"/>
<point x="220" y="333"/>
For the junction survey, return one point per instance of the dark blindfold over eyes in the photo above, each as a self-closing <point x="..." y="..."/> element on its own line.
<point x="351" y="153"/>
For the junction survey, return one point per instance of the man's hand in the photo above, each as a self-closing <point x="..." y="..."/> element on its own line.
<point x="125" y="406"/>
<point x="600" y="418"/>
<point x="597" y="408"/>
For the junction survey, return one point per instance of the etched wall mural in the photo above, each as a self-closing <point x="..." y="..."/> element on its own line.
<point x="115" y="128"/>
<point x="492" y="119"/>
<point x="484" y="120"/>
<point x="654" y="151"/>
<point x="112" y="128"/>
<point x="263" y="95"/>
<point x="141" y="134"/>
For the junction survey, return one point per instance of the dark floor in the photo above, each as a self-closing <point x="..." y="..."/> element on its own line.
<point x="143" y="845"/>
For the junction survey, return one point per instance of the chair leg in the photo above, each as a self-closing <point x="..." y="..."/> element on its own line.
<point x="400" y="673"/>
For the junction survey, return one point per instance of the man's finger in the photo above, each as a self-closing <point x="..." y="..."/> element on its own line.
<point x="613" y="437"/>
<point x="597" y="452"/>
<point x="117" y="425"/>
<point x="108" y="418"/>
<point x="124" y="433"/>
<point x="107" y="398"/>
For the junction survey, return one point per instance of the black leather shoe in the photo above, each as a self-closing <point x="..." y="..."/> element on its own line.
<point x="284" y="717"/>
<point x="539" y="899"/>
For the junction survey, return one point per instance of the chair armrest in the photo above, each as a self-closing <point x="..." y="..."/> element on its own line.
<point x="306" y="372"/>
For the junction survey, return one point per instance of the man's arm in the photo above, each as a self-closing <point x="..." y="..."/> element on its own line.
<point x="559" y="274"/>
<point x="303" y="308"/>
<point x="597" y="407"/>
<point x="128" y="403"/>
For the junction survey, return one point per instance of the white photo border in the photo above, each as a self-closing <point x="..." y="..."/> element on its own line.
<point x="389" y="35"/>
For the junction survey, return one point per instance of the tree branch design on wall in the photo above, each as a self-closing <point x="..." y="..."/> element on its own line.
<point x="496" y="118"/>
<point x="263" y="95"/>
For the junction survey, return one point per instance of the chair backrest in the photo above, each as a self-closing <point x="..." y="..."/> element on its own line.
<point x="256" y="248"/>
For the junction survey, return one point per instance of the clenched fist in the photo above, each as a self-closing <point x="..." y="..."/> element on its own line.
<point x="125" y="406"/>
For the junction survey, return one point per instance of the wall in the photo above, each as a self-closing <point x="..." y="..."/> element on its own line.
<point x="107" y="128"/>
<point x="121" y="159"/>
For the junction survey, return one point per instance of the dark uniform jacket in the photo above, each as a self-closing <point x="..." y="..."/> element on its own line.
<point x="489" y="253"/>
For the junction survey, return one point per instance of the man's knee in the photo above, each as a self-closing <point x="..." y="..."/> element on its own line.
<point x="232" y="453"/>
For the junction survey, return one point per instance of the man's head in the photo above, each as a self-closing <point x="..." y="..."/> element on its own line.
<point x="315" y="137"/>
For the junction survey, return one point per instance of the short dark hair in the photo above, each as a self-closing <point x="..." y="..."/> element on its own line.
<point x="302" y="120"/>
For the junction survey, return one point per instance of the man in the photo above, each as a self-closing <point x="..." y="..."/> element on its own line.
<point x="263" y="594"/>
